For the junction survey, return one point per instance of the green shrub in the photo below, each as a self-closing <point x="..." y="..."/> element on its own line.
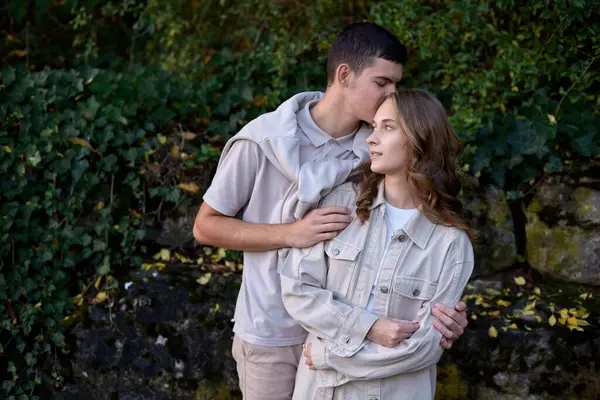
<point x="518" y="78"/>
<point x="85" y="167"/>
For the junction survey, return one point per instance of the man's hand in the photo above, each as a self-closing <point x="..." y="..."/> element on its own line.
<point x="307" y="348"/>
<point x="318" y="226"/>
<point x="389" y="332"/>
<point x="451" y="323"/>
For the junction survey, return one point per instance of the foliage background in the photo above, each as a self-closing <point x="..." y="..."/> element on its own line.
<point x="112" y="114"/>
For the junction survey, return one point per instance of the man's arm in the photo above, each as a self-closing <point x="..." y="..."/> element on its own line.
<point x="232" y="188"/>
<point x="217" y="229"/>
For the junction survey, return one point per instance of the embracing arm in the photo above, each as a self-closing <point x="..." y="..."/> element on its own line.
<point x="419" y="351"/>
<point x="216" y="223"/>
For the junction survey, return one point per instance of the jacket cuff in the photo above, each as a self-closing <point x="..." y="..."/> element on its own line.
<point x="318" y="355"/>
<point x="356" y="330"/>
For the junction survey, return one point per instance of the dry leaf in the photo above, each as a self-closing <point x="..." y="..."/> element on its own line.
<point x="552" y="320"/>
<point x="82" y="142"/>
<point x="189" y="187"/>
<point x="519" y="280"/>
<point x="493" y="332"/>
<point x="203" y="280"/>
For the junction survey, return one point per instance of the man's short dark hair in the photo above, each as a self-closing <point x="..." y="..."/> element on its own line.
<point x="359" y="44"/>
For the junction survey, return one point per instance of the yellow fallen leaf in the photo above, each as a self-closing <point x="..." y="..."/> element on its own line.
<point x="474" y="317"/>
<point x="537" y="291"/>
<point x="519" y="280"/>
<point x="189" y="187"/>
<point x="527" y="328"/>
<point x="552" y="119"/>
<point x="240" y="267"/>
<point x="188" y="135"/>
<point x="100" y="205"/>
<point x="495" y="313"/>
<point x="165" y="254"/>
<point x="584" y="296"/>
<point x="7" y="149"/>
<point x="174" y="151"/>
<point x="562" y="320"/>
<point x="203" y="280"/>
<point x="82" y="142"/>
<point x="97" y="283"/>
<point x="220" y="254"/>
<point x="100" y="297"/>
<point x="217" y="307"/>
<point x="582" y="322"/>
<point x="182" y="258"/>
<point x="572" y="321"/>
<point x="513" y="326"/>
<point x="493" y="332"/>
<point x="162" y="139"/>
<point x="503" y="303"/>
<point x="200" y="260"/>
<point x="552" y="320"/>
<point x="37" y="305"/>
<point x="564" y="313"/>
<point x="160" y="266"/>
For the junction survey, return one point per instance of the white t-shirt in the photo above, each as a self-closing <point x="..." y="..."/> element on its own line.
<point x="395" y="219"/>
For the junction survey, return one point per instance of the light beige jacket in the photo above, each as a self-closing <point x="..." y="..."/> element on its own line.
<point x="326" y="289"/>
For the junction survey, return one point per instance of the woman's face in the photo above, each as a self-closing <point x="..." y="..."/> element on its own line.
<point x="388" y="144"/>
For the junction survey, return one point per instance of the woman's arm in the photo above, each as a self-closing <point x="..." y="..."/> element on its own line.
<point x="303" y="278"/>
<point x="420" y="351"/>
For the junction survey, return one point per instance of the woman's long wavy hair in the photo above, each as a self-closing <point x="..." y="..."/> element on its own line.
<point x="432" y="169"/>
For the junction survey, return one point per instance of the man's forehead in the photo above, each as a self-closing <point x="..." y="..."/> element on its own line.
<point x="385" y="69"/>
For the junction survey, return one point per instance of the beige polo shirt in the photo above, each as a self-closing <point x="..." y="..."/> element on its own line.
<point x="247" y="185"/>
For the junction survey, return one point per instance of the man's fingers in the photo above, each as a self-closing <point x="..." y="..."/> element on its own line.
<point x="449" y="322"/>
<point x="445" y="331"/>
<point x="461" y="307"/>
<point x="333" y="227"/>
<point x="459" y="317"/>
<point x="446" y="344"/>
<point x="333" y="210"/>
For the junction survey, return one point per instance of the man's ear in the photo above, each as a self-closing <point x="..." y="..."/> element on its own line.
<point x="342" y="75"/>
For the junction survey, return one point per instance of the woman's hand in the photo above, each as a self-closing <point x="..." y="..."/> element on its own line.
<point x="450" y="322"/>
<point x="389" y="332"/>
<point x="307" y="348"/>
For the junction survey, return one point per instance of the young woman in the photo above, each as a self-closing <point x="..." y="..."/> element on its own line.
<point x="366" y="297"/>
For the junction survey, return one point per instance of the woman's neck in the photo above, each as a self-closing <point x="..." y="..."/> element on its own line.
<point x="397" y="192"/>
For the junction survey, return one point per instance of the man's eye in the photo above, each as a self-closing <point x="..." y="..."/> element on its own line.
<point x="380" y="84"/>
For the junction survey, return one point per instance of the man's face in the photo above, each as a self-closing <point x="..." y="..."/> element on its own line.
<point x="366" y="90"/>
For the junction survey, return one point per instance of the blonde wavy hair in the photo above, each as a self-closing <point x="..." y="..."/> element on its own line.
<point x="432" y="172"/>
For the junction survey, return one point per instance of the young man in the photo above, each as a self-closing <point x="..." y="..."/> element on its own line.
<point x="272" y="173"/>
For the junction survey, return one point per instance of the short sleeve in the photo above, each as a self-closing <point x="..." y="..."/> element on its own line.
<point x="233" y="182"/>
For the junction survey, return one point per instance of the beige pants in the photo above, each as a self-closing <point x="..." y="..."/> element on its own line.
<point x="266" y="373"/>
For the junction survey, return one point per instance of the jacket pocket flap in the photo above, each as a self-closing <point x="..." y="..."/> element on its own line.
<point x="341" y="250"/>
<point x="415" y="288"/>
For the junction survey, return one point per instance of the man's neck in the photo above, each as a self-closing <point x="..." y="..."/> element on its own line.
<point x="397" y="192"/>
<point x="331" y="116"/>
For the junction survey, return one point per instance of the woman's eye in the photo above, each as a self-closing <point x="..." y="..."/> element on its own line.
<point x="389" y="127"/>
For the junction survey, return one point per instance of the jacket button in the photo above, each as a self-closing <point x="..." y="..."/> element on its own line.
<point x="416" y="292"/>
<point x="373" y="398"/>
<point x="335" y="251"/>
<point x="383" y="289"/>
<point x="402" y="238"/>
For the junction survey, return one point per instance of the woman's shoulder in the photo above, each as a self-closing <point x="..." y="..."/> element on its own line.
<point x="458" y="241"/>
<point x="343" y="195"/>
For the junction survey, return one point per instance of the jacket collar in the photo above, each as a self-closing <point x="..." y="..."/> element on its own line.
<point x="418" y="228"/>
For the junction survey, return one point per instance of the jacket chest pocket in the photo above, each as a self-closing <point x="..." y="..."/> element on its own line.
<point x="342" y="258"/>
<point x="409" y="295"/>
